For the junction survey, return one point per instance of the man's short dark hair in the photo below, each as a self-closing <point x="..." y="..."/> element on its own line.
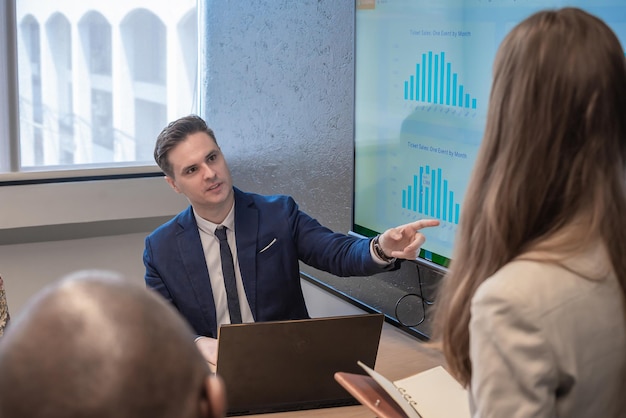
<point x="173" y="134"/>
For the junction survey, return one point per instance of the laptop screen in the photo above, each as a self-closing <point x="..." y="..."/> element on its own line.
<point x="290" y="365"/>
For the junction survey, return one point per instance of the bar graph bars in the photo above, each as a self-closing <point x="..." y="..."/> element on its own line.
<point x="434" y="82"/>
<point x="431" y="196"/>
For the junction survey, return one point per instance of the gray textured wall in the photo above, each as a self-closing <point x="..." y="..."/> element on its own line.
<point x="279" y="93"/>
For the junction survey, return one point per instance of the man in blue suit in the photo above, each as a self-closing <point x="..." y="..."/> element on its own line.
<point x="267" y="235"/>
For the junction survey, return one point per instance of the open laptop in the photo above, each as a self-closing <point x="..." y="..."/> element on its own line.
<point x="290" y="365"/>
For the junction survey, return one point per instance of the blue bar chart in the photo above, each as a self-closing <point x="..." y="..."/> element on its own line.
<point x="434" y="82"/>
<point x="431" y="196"/>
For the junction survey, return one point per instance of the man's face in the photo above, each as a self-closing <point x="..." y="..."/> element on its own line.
<point x="202" y="175"/>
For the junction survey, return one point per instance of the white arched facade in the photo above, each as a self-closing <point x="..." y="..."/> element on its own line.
<point x="99" y="80"/>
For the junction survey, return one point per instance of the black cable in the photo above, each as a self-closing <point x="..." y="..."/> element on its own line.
<point x="421" y="298"/>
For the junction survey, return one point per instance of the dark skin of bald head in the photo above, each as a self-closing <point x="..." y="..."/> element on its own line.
<point x="95" y="345"/>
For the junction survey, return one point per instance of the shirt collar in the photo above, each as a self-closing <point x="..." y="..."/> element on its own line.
<point x="209" y="227"/>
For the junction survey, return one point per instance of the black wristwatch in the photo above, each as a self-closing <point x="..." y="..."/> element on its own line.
<point x="379" y="250"/>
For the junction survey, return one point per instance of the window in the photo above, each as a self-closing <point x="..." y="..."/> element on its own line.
<point x="96" y="81"/>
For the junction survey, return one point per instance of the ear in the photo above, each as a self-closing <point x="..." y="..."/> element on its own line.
<point x="172" y="183"/>
<point x="215" y="399"/>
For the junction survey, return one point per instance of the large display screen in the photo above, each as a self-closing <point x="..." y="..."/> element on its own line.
<point x="423" y="74"/>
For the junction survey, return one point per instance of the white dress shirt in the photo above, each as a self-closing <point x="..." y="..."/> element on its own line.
<point x="211" y="248"/>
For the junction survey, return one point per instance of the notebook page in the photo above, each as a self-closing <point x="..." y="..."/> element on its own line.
<point x="436" y="394"/>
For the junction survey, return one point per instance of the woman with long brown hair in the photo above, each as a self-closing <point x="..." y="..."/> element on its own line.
<point x="531" y="316"/>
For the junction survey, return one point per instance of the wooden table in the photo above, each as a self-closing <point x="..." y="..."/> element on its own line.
<point x="399" y="355"/>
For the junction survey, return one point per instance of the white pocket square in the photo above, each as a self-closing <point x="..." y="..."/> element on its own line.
<point x="268" y="245"/>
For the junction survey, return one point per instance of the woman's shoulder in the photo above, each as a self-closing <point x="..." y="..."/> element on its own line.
<point x="544" y="283"/>
<point x="516" y="280"/>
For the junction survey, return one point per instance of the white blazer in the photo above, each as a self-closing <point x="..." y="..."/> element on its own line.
<point x="547" y="342"/>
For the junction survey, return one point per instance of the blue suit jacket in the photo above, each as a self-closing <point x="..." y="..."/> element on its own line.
<point x="176" y="266"/>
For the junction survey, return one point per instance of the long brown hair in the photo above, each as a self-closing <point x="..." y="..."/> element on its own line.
<point x="553" y="154"/>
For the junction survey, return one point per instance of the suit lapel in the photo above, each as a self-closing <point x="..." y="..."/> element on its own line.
<point x="194" y="261"/>
<point x="246" y="231"/>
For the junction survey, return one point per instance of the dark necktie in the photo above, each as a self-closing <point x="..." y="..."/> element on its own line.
<point x="228" y="270"/>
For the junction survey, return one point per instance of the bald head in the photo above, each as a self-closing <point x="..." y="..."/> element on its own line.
<point x="95" y="345"/>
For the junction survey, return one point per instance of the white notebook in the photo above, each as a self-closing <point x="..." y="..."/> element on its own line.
<point x="433" y="393"/>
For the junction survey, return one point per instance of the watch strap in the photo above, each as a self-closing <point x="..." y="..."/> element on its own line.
<point x="379" y="250"/>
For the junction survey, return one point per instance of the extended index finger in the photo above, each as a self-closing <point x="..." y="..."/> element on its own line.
<point x="423" y="223"/>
